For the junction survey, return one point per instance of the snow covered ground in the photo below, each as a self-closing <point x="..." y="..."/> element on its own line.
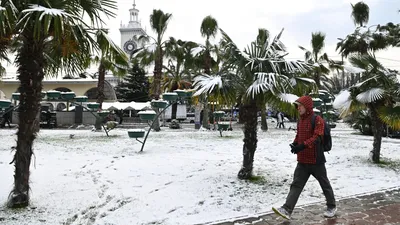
<point x="182" y="177"/>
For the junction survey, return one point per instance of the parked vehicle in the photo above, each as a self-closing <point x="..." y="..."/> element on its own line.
<point x="48" y="119"/>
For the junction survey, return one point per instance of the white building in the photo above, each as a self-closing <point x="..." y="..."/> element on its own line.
<point x="132" y="31"/>
<point x="130" y="34"/>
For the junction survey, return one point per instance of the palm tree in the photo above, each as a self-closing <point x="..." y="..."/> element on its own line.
<point x="258" y="72"/>
<point x="363" y="42"/>
<point x="208" y="29"/>
<point x="111" y="58"/>
<point x="377" y="92"/>
<point x="360" y="13"/>
<point x="316" y="58"/>
<point x="49" y="36"/>
<point x="180" y="67"/>
<point x="154" y="53"/>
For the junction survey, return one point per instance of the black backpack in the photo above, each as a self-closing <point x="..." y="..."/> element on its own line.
<point x="327" y="139"/>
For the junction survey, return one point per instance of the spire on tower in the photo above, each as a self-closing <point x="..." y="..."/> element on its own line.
<point x="134" y="3"/>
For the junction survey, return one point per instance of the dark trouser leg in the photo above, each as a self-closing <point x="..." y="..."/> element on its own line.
<point x="300" y="178"/>
<point x="319" y="172"/>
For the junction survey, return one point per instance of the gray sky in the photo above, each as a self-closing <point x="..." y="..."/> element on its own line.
<point x="241" y="20"/>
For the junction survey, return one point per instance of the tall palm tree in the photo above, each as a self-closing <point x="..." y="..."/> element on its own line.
<point x="49" y="36"/>
<point x="317" y="58"/>
<point x="360" y="13"/>
<point x="260" y="71"/>
<point x="110" y="57"/>
<point x="364" y="40"/>
<point x="154" y="53"/>
<point x="208" y="29"/>
<point x="180" y="67"/>
<point x="377" y="92"/>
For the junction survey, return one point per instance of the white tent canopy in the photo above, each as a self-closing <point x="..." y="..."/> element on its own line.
<point x="126" y="105"/>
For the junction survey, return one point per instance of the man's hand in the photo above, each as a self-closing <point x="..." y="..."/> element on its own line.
<point x="297" y="148"/>
<point x="292" y="145"/>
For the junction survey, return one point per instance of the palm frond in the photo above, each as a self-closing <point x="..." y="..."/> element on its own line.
<point x="197" y="50"/>
<point x="206" y="84"/>
<point x="218" y="86"/>
<point x="45" y="19"/>
<point x="370" y="95"/>
<point x="263" y="83"/>
<point x="290" y="98"/>
<point x="390" y="116"/>
<point x="346" y="105"/>
<point x="343" y="101"/>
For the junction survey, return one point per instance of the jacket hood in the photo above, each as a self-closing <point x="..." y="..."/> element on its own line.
<point x="307" y="102"/>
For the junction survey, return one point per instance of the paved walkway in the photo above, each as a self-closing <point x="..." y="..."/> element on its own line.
<point x="379" y="208"/>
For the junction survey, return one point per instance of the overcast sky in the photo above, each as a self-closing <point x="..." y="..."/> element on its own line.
<point x="241" y="20"/>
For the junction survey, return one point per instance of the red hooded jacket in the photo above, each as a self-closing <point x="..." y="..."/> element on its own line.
<point x="312" y="153"/>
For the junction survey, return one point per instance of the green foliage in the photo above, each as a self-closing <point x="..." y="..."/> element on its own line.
<point x="110" y="56"/>
<point x="390" y="116"/>
<point x="180" y="64"/>
<point x="390" y="164"/>
<point x="257" y="180"/>
<point x="134" y="87"/>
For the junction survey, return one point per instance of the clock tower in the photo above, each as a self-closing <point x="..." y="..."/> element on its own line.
<point x="132" y="31"/>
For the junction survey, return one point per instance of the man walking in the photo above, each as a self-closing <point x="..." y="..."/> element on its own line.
<point x="311" y="160"/>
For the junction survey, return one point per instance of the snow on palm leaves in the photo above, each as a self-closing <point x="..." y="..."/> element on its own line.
<point x="261" y="68"/>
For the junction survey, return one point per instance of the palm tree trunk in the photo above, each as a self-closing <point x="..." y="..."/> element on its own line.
<point x="100" y="85"/>
<point x="205" y="115"/>
<point x="207" y="70"/>
<point x="343" y="77"/>
<point x="317" y="79"/>
<point x="264" y="124"/>
<point x="377" y="129"/>
<point x="249" y="116"/>
<point x="31" y="63"/>
<point x="207" y="62"/>
<point x="156" y="86"/>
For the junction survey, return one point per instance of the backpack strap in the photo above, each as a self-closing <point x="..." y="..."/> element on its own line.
<point x="313" y="121"/>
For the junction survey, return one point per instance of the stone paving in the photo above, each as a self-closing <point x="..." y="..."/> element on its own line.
<point x="378" y="208"/>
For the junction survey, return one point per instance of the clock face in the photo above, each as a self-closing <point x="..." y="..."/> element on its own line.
<point x="129" y="46"/>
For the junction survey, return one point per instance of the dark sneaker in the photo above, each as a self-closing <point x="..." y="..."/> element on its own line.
<point x="330" y="212"/>
<point x="281" y="212"/>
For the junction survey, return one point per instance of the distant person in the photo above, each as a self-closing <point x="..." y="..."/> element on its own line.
<point x="282" y="120"/>
<point x="7" y="117"/>
<point x="279" y="118"/>
<point x="311" y="160"/>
